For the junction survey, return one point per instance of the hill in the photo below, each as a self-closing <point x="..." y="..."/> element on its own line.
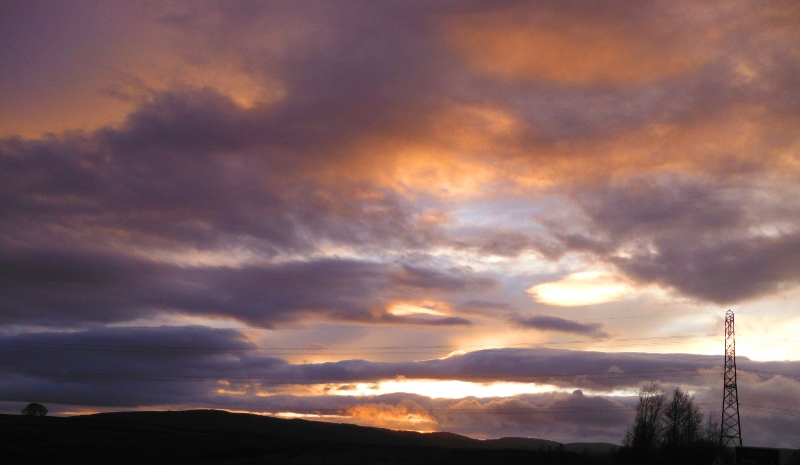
<point x="213" y="436"/>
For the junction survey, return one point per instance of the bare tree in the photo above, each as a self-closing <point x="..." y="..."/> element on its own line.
<point x="644" y="433"/>
<point x="670" y="431"/>
<point x="682" y="420"/>
<point x="711" y="429"/>
<point x="35" y="410"/>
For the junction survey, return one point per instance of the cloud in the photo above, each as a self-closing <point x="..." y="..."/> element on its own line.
<point x="726" y="272"/>
<point x="247" y="363"/>
<point x="193" y="170"/>
<point x="544" y="416"/>
<point x="577" y="44"/>
<point x="122" y="367"/>
<point x="554" y="323"/>
<point x="403" y="415"/>
<point x="52" y="287"/>
<point x="275" y="164"/>
<point x="452" y="279"/>
<point x="584" y="288"/>
<point x="720" y="242"/>
<point x="130" y="367"/>
<point x="341" y="159"/>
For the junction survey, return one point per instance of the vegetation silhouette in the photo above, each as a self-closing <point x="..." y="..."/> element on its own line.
<point x="671" y="431"/>
<point x="34" y="410"/>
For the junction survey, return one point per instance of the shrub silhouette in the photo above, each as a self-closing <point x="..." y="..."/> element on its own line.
<point x="35" y="410"/>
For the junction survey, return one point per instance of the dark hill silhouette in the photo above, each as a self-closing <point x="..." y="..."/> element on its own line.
<point x="213" y="436"/>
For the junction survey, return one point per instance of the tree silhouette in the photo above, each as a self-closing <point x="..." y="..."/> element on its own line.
<point x="35" y="410"/>
<point x="682" y="419"/>
<point x="645" y="432"/>
<point x="670" y="431"/>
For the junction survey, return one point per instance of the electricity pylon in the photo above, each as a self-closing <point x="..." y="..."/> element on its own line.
<point x="730" y="429"/>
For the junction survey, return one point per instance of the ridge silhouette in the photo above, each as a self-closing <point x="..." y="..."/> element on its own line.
<point x="215" y="436"/>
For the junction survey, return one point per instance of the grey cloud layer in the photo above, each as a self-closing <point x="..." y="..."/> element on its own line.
<point x="197" y="366"/>
<point x="723" y="242"/>
<point x="59" y="288"/>
<point x="194" y="346"/>
<point x="552" y="323"/>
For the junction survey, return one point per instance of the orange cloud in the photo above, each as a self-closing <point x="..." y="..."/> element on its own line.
<point x="407" y="415"/>
<point x="570" y="47"/>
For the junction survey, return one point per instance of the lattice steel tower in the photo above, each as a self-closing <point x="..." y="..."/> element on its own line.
<point x="730" y="429"/>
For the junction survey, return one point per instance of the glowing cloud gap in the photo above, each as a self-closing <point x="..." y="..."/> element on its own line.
<point x="584" y="288"/>
<point x="439" y="389"/>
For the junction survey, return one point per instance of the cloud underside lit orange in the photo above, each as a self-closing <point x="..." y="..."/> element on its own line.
<point x="569" y="48"/>
<point x="270" y="208"/>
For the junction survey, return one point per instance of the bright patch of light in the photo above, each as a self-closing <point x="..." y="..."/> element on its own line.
<point x="435" y="389"/>
<point x="443" y="389"/>
<point x="170" y="319"/>
<point x="455" y="353"/>
<point x="231" y="392"/>
<point x="771" y="347"/>
<point x="293" y="415"/>
<point x="402" y="309"/>
<point x="585" y="288"/>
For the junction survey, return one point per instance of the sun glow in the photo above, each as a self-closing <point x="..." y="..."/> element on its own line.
<point x="442" y="389"/>
<point x="585" y="288"/>
<point x="402" y="309"/>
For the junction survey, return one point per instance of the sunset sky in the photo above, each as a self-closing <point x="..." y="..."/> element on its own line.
<point x="496" y="218"/>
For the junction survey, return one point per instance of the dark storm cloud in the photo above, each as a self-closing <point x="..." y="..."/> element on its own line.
<point x="554" y="323"/>
<point x="54" y="287"/>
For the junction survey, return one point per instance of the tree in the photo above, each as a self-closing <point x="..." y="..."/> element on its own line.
<point x="670" y="432"/>
<point x="711" y="430"/>
<point x="682" y="420"/>
<point x="643" y="435"/>
<point x="35" y="410"/>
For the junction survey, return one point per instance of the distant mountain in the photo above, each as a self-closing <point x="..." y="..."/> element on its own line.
<point x="520" y="443"/>
<point x="213" y="436"/>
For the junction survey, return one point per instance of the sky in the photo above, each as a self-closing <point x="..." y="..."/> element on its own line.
<point x="495" y="218"/>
